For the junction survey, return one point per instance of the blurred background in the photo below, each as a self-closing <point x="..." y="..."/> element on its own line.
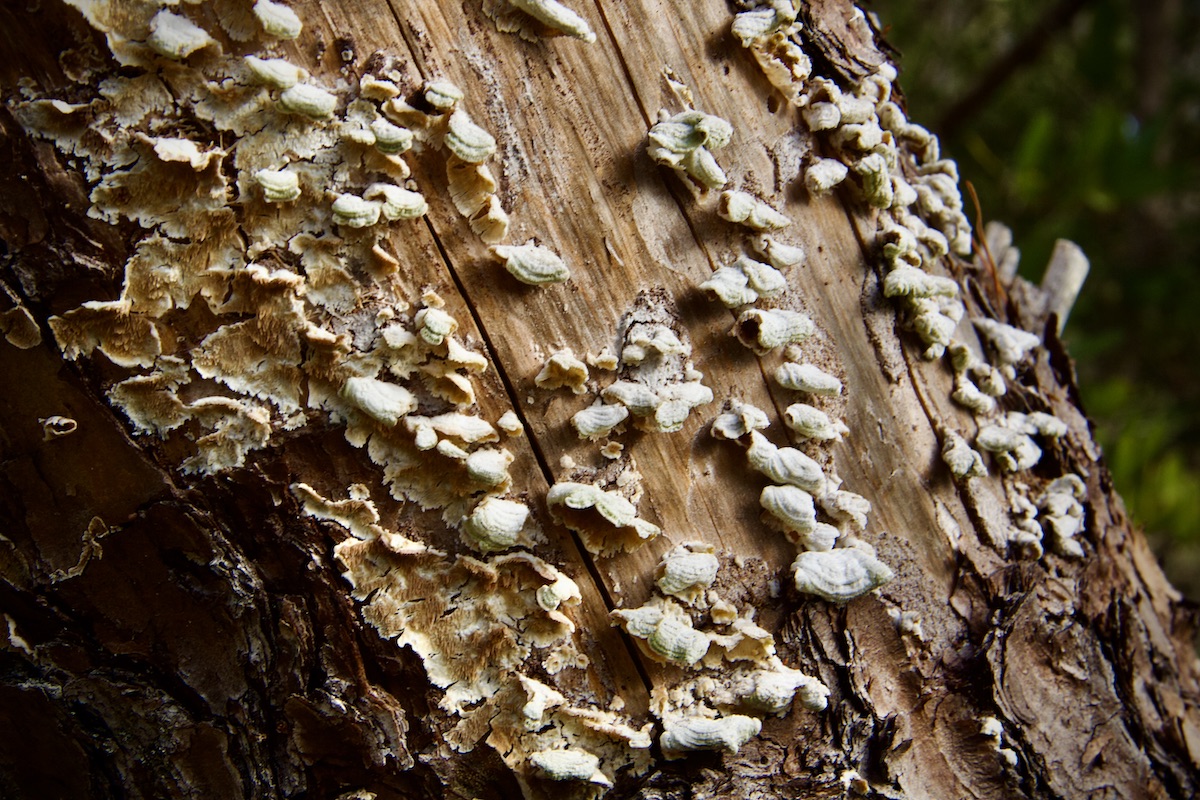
<point x="1080" y="119"/>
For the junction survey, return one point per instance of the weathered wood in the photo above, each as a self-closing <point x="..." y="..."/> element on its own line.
<point x="201" y="640"/>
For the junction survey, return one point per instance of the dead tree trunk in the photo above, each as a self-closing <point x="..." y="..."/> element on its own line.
<point x="298" y="500"/>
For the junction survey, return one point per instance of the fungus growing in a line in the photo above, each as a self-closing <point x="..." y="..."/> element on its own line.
<point x="746" y="209"/>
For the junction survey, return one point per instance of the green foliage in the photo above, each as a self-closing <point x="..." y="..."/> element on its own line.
<point x="1094" y="139"/>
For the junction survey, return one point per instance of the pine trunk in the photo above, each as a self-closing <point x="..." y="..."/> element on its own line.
<point x="239" y="562"/>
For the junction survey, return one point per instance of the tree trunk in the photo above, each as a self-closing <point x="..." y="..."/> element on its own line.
<point x="249" y="549"/>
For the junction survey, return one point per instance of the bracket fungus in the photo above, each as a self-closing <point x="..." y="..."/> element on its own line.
<point x="785" y="465"/>
<point x="685" y="142"/>
<point x="605" y="521"/>
<point x="569" y="764"/>
<point x="839" y="575"/>
<point x="763" y="330"/>
<point x="686" y="571"/>
<point x="380" y="400"/>
<point x="174" y="36"/>
<point x="701" y="733"/>
<point x="743" y="282"/>
<point x="739" y="419"/>
<point x="808" y="422"/>
<point x="495" y="524"/>
<point x="791" y="508"/>
<point x="561" y="369"/>
<point x="308" y="100"/>
<point x="665" y="632"/>
<point x="277" y="19"/>
<point x="532" y="263"/>
<point x="534" y="18"/>
<point x="746" y="209"/>
<point x="963" y="461"/>
<point x="807" y="378"/>
<point x="599" y="419"/>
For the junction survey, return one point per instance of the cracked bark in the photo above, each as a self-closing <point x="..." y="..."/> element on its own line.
<point x="210" y="648"/>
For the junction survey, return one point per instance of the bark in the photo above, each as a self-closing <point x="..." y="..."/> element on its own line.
<point x="179" y="635"/>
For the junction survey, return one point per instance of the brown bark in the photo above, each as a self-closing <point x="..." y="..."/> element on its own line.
<point x="200" y="640"/>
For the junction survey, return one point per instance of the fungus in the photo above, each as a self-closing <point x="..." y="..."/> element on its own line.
<point x="379" y="400"/>
<point x="20" y="328"/>
<point x="308" y="100"/>
<point x="488" y="466"/>
<point x="562" y="368"/>
<point x="963" y="461"/>
<point x="277" y="73"/>
<point x="605" y="521"/>
<point x="824" y="174"/>
<point x="467" y="140"/>
<point x="355" y="212"/>
<point x="391" y="139"/>
<point x="685" y="141"/>
<point x="568" y="764"/>
<point x="279" y="186"/>
<point x="434" y="325"/>
<point x="599" y="419"/>
<point x="533" y="18"/>
<point x="763" y="330"/>
<point x="1014" y="449"/>
<point x="442" y="94"/>
<point x="785" y="465"/>
<point x="510" y="423"/>
<point x="495" y="524"/>
<point x="791" y="508"/>
<point x="176" y="37"/>
<point x="778" y="254"/>
<point x="839" y="575"/>
<point x="394" y="202"/>
<point x="56" y="427"/>
<point x="807" y="378"/>
<point x="738" y="420"/>
<point x="846" y="507"/>
<point x="746" y="209"/>
<point x="808" y="422"/>
<point x="533" y="264"/>
<point x="1010" y="344"/>
<point x="1061" y="514"/>
<point x="686" y="571"/>
<point x="700" y="733"/>
<point x="771" y="691"/>
<point x="277" y="19"/>
<point x="664" y="631"/>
